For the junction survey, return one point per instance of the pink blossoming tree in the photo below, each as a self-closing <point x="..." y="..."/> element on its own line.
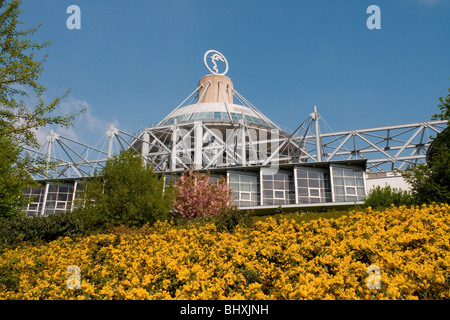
<point x="195" y="196"/>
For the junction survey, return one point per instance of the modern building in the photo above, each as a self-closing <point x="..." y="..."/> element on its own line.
<point x="216" y="129"/>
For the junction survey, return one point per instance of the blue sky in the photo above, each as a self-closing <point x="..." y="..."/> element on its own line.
<point x="133" y="61"/>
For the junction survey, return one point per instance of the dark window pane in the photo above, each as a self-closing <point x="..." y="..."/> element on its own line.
<point x="314" y="183"/>
<point x="62" y="197"/>
<point x="268" y="185"/>
<point x="245" y="196"/>
<point x="313" y="175"/>
<point x="302" y="183"/>
<point x="279" y="194"/>
<point x="302" y="173"/>
<point x="349" y="181"/>
<point x="278" y="185"/>
<point x="303" y="191"/>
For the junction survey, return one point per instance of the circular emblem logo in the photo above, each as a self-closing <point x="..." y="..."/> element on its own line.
<point x="215" y="61"/>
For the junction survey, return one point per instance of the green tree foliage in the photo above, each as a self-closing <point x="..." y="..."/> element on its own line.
<point x="20" y="69"/>
<point x="387" y="196"/>
<point x="13" y="180"/>
<point x="124" y="192"/>
<point x="444" y="106"/>
<point x="431" y="182"/>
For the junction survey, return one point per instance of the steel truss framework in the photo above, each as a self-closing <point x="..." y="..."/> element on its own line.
<point x="204" y="146"/>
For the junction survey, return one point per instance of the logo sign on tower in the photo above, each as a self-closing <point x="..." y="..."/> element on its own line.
<point x="215" y="62"/>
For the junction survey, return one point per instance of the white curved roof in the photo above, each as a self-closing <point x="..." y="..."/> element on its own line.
<point x="217" y="111"/>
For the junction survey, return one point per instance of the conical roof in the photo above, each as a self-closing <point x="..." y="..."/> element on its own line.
<point x="214" y="103"/>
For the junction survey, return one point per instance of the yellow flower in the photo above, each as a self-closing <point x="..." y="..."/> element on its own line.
<point x="320" y="259"/>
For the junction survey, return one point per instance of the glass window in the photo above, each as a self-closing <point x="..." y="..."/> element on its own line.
<point x="302" y="173"/>
<point x="338" y="181"/>
<point x="246" y="188"/>
<point x="339" y="190"/>
<point x="302" y="183"/>
<point x="350" y="190"/>
<point x="314" y="192"/>
<point x="314" y="184"/>
<point x="279" y="187"/>
<point x="36" y="190"/>
<point x="267" y="185"/>
<point x="278" y="194"/>
<point x="361" y="191"/>
<point x="338" y="172"/>
<point x="313" y="175"/>
<point x="359" y="174"/>
<point x="303" y="192"/>
<point x="349" y="173"/>
<point x="245" y="195"/>
<point x="348" y="184"/>
<point x="268" y="194"/>
<point x="51" y="196"/>
<point x="349" y="181"/>
<point x="61" y="205"/>
<point x="360" y="182"/>
<point x="234" y="178"/>
<point x="62" y="197"/>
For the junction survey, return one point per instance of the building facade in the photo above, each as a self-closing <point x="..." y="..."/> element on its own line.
<point x="216" y="129"/>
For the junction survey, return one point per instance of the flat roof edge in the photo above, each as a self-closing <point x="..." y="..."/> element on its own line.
<point x="303" y="205"/>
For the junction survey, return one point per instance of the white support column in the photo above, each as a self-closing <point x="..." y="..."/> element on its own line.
<point x="315" y="116"/>
<point x="44" y="200"/>
<point x="198" y="145"/>
<point x="111" y="134"/>
<point x="261" y="189"/>
<point x="333" y="199"/>
<point x="243" y="150"/>
<point x="75" y="184"/>
<point x="173" y="154"/>
<point x="296" y="185"/>
<point x="51" y="139"/>
<point x="145" y="146"/>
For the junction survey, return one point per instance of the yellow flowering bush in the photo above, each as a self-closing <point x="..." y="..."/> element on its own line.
<point x="320" y="259"/>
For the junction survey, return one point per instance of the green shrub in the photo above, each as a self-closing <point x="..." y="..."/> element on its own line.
<point x="230" y="219"/>
<point x="126" y="193"/>
<point x="9" y="277"/>
<point x="386" y="196"/>
<point x="35" y="229"/>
